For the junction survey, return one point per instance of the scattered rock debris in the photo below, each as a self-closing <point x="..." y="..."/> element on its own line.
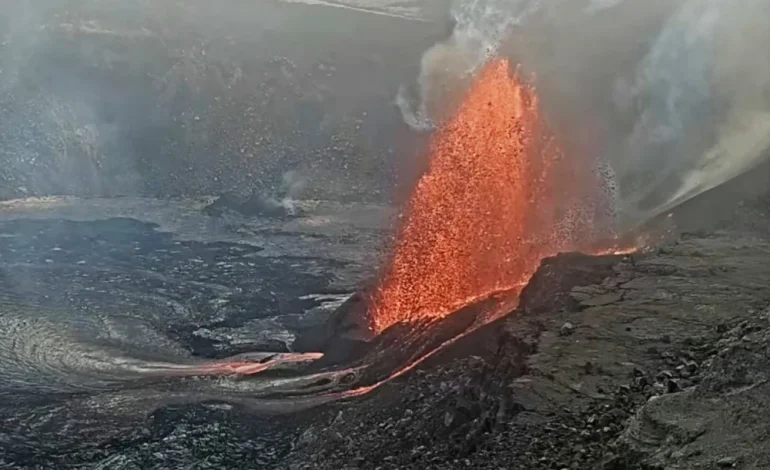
<point x="649" y="381"/>
<point x="653" y="362"/>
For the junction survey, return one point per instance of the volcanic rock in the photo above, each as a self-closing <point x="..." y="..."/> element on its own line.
<point x="650" y="380"/>
<point x="253" y="205"/>
<point x="627" y="409"/>
<point x="727" y="462"/>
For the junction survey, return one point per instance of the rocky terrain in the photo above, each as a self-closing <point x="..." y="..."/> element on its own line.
<point x="651" y="361"/>
<point x="119" y="274"/>
<point x="90" y="285"/>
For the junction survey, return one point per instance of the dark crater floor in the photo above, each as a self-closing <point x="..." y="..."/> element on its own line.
<point x="124" y="265"/>
<point x="654" y="361"/>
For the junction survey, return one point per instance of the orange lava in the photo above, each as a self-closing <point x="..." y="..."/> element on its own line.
<point x="234" y="367"/>
<point x="498" y="196"/>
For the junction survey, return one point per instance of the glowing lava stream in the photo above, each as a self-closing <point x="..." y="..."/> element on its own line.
<point x="233" y="366"/>
<point x="497" y="198"/>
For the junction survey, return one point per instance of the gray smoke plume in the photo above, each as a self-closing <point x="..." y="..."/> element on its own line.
<point x="674" y="96"/>
<point x="480" y="27"/>
<point x="293" y="184"/>
<point x="673" y="91"/>
<point x="704" y="115"/>
<point x="595" y="6"/>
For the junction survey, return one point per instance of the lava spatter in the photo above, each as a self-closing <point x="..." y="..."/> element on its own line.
<point x="498" y="196"/>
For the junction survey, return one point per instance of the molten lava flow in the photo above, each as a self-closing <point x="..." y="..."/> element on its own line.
<point x="498" y="196"/>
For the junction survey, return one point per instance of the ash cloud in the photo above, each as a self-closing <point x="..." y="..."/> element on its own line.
<point x="673" y="96"/>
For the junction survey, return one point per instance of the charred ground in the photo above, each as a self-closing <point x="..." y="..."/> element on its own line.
<point x="656" y="361"/>
<point x="649" y="361"/>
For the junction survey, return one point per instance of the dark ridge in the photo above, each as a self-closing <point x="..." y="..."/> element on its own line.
<point x="253" y="205"/>
<point x="548" y="290"/>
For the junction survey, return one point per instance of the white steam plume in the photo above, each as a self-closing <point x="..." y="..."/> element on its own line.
<point x="293" y="185"/>
<point x="673" y="91"/>
<point x="480" y="27"/>
<point x="705" y="114"/>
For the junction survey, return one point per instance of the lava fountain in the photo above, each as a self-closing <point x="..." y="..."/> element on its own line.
<point x="499" y="195"/>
